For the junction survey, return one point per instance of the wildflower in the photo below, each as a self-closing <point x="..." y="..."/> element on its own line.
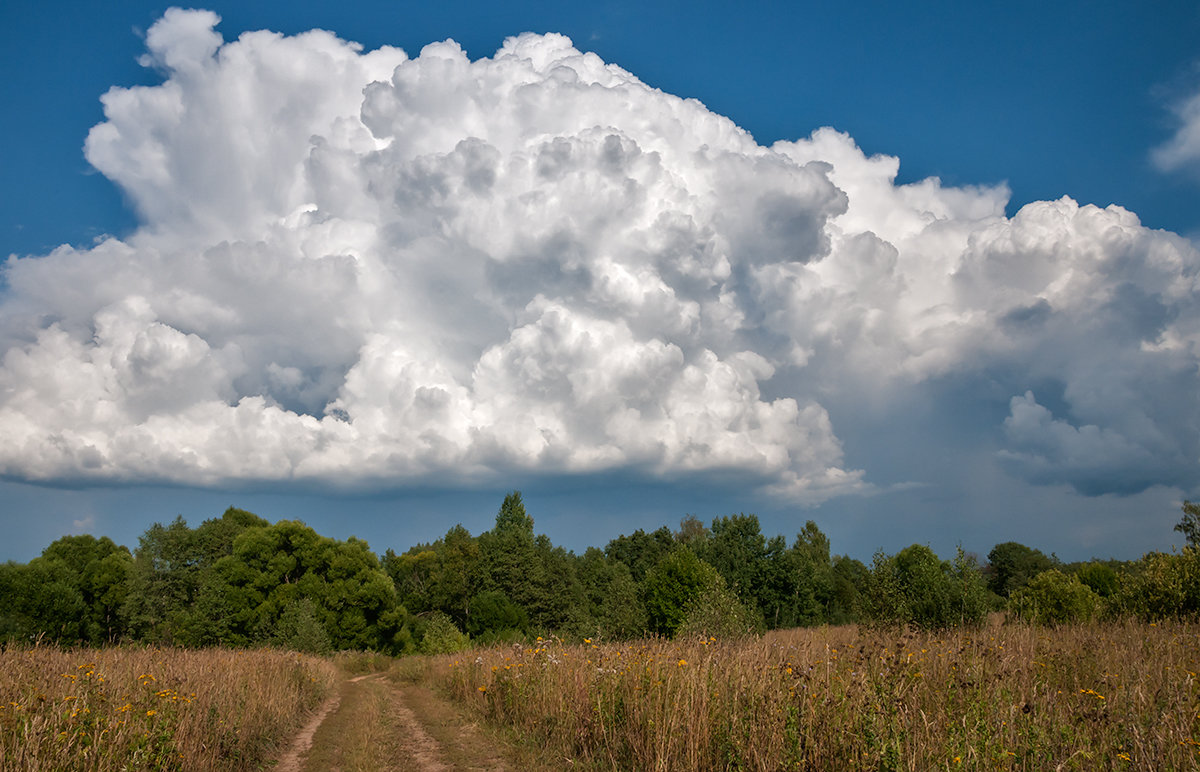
<point x="682" y="662"/>
<point x="482" y="689"/>
<point x="151" y="712"/>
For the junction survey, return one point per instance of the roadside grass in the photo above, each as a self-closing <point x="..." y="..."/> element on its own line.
<point x="144" y="708"/>
<point x="1121" y="695"/>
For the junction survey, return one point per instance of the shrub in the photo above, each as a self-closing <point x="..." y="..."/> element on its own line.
<point x="1052" y="598"/>
<point x="1161" y="586"/>
<point x="300" y="630"/>
<point x="716" y="612"/>
<point x="442" y="636"/>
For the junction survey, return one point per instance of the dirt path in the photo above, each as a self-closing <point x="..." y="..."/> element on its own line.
<point x="374" y="723"/>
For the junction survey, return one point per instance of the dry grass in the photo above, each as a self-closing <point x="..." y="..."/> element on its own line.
<point x="1010" y="697"/>
<point x="116" y="709"/>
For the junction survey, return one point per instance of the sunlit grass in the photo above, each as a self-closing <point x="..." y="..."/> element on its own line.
<point x="114" y="709"/>
<point x="1011" y="697"/>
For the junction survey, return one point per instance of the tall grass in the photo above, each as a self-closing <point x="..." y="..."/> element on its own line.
<point x="117" y="709"/>
<point x="1011" y="697"/>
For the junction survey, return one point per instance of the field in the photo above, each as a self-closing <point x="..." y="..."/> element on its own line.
<point x="1117" y="696"/>
<point x="139" y="708"/>
<point x="1008" y="697"/>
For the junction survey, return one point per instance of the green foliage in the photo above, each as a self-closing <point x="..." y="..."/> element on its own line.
<point x="1189" y="524"/>
<point x="1100" y="577"/>
<point x="493" y="611"/>
<point x="72" y="593"/>
<point x="846" y="603"/>
<point x="300" y="629"/>
<point x="1053" y="597"/>
<point x="239" y="580"/>
<point x="716" y="612"/>
<point x="671" y="586"/>
<point x="442" y="636"/>
<point x="640" y="551"/>
<point x="1012" y="565"/>
<point x="1161" y="586"/>
<point x="917" y="588"/>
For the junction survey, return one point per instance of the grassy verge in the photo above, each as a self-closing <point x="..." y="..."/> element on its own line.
<point x="1014" y="697"/>
<point x="116" y="709"/>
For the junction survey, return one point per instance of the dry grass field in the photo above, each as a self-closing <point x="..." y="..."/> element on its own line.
<point x="134" y="708"/>
<point x="1007" y="697"/>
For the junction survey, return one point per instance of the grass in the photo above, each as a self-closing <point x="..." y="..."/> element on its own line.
<point x="135" y="708"/>
<point x="1008" y="697"/>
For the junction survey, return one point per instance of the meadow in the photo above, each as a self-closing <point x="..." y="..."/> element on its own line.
<point x="145" y="708"/>
<point x="1120" y="695"/>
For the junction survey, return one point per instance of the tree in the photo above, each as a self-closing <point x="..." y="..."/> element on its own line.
<point x="98" y="572"/>
<point x="915" y="587"/>
<point x="1012" y="565"/>
<point x="510" y="562"/>
<point x="850" y="576"/>
<point x="672" y="584"/>
<point x="738" y="550"/>
<point x="1189" y="524"/>
<point x="641" y="551"/>
<point x="492" y="612"/>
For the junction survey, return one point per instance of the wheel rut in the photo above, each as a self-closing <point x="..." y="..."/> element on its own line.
<point x="374" y="723"/>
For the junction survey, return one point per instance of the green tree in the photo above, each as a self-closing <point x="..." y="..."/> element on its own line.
<point x="1052" y="598"/>
<point x="1100" y="577"/>
<point x="1161" y="586"/>
<point x="641" y="551"/>
<point x="737" y="549"/>
<point x="916" y="587"/>
<point x="1189" y="524"/>
<point x="613" y="603"/>
<point x="442" y="636"/>
<point x="493" y="614"/>
<point x="672" y="584"/>
<point x="1012" y="565"/>
<point x="850" y="576"/>
<point x="97" y="572"/>
<point x="300" y="629"/>
<point x="716" y="612"/>
<point x="274" y="567"/>
<point x="171" y="588"/>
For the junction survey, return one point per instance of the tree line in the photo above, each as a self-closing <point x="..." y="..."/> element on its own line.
<point x="239" y="580"/>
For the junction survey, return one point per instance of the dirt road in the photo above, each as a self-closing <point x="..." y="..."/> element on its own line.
<point x="374" y="723"/>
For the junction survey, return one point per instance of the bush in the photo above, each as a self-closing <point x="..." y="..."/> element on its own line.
<point x="1053" y="598"/>
<point x="1161" y="586"/>
<point x="494" y="612"/>
<point x="716" y="612"/>
<point x="300" y="630"/>
<point x="442" y="636"/>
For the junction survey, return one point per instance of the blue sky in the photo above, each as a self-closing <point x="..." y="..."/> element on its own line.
<point x="1019" y="400"/>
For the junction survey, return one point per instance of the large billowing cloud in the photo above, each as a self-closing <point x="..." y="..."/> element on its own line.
<point x="365" y="268"/>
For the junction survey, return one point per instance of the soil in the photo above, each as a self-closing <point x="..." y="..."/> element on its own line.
<point x="373" y="722"/>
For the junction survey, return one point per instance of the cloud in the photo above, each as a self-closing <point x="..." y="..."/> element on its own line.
<point x="365" y="269"/>
<point x="1183" y="149"/>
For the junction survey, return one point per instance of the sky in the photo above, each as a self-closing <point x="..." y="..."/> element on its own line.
<point x="918" y="275"/>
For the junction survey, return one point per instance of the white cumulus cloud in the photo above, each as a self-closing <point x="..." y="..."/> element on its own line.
<point x="369" y="268"/>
